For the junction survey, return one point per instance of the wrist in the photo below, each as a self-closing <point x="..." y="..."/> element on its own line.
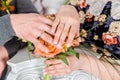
<point x="67" y="7"/>
<point x="13" y="45"/>
<point x="12" y="19"/>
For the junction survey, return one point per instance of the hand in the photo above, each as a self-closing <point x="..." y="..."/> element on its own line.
<point x="59" y="68"/>
<point x="66" y="25"/>
<point x="31" y="26"/>
<point x="87" y="63"/>
<point x="3" y="59"/>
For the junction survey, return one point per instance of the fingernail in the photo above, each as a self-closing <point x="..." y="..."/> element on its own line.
<point x="59" y="46"/>
<point x="46" y="50"/>
<point x="55" y="42"/>
<point x="44" y="70"/>
<point x="52" y="31"/>
<point x="68" y="44"/>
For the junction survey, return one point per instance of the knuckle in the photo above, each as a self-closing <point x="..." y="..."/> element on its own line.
<point x="61" y="40"/>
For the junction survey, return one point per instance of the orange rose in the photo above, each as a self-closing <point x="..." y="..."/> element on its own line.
<point x="2" y="8"/>
<point x="53" y="50"/>
<point x="108" y="39"/>
<point x="83" y="4"/>
<point x="11" y="8"/>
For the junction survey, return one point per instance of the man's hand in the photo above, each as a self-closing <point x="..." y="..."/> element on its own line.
<point x="31" y="26"/>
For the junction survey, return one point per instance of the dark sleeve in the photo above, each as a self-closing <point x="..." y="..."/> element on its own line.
<point x="6" y="31"/>
<point x="13" y="45"/>
<point x="25" y="6"/>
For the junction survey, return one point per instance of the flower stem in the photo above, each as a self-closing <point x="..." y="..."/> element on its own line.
<point x="7" y="10"/>
<point x="47" y="77"/>
<point x="88" y="30"/>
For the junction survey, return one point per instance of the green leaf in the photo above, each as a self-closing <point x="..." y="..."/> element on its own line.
<point x="29" y="46"/>
<point x="47" y="77"/>
<point x="77" y="55"/>
<point x="72" y="50"/>
<point x="8" y="2"/>
<point x="66" y="2"/>
<point x="63" y="58"/>
<point x="7" y="10"/>
<point x="70" y="53"/>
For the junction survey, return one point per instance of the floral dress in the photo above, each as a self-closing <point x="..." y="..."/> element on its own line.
<point x="100" y="24"/>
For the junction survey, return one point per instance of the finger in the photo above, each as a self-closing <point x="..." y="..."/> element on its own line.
<point x="58" y="34"/>
<point x="50" y="71"/>
<point x="37" y="44"/>
<point x="60" y="74"/>
<point x="60" y="66"/>
<point x="42" y="26"/>
<point x="55" y="73"/>
<point x="36" y="54"/>
<point x="37" y="33"/>
<point x="55" y="24"/>
<point x="55" y="61"/>
<point x="78" y="35"/>
<point x="45" y="20"/>
<point x="71" y="35"/>
<point x="57" y="67"/>
<point x="46" y="37"/>
<point x="64" y="34"/>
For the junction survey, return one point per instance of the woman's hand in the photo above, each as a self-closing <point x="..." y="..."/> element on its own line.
<point x="59" y="68"/>
<point x="31" y="26"/>
<point x="66" y="25"/>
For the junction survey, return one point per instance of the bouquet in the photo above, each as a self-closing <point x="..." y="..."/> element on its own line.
<point x="100" y="35"/>
<point x="54" y="52"/>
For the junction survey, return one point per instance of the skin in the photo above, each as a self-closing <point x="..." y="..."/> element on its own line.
<point x="27" y="28"/>
<point x="66" y="26"/>
<point x="87" y="63"/>
<point x="31" y="26"/>
<point x="90" y="64"/>
<point x="3" y="59"/>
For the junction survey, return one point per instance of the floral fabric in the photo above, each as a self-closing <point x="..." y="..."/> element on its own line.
<point x="102" y="30"/>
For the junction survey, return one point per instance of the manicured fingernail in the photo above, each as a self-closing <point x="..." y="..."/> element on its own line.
<point x="59" y="46"/>
<point x="43" y="70"/>
<point x="55" y="42"/>
<point x="52" y="31"/>
<point x="46" y="50"/>
<point x="68" y="44"/>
